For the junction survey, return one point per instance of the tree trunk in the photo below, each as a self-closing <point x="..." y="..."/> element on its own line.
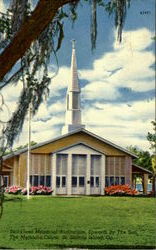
<point x="43" y="14"/>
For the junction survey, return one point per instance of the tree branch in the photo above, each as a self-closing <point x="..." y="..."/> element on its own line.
<point x="43" y="14"/>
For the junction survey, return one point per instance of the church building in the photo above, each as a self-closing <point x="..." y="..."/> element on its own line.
<point x="76" y="163"/>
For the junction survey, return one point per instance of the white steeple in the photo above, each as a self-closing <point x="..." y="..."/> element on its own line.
<point x="73" y="105"/>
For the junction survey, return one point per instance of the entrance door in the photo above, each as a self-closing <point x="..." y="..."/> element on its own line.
<point x="95" y="174"/>
<point x="78" y="173"/>
<point x="95" y="185"/>
<point x="61" y="173"/>
<point x="78" y="185"/>
<point x="61" y="185"/>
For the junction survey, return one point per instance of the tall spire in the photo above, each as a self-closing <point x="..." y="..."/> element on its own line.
<point x="74" y="84"/>
<point x="73" y="107"/>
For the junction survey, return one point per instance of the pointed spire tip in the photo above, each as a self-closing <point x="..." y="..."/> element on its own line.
<point x="73" y="43"/>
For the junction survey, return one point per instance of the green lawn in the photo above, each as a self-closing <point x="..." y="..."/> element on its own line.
<point x="86" y="222"/>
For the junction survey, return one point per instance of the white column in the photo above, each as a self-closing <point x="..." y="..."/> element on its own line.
<point x="102" y="177"/>
<point x="88" y="167"/>
<point x="53" y="174"/>
<point x="69" y="174"/>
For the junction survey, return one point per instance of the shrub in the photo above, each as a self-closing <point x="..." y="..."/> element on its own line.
<point x="38" y="190"/>
<point x="121" y="190"/>
<point x="13" y="190"/>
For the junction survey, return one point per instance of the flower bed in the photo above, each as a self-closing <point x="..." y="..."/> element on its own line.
<point x="122" y="190"/>
<point x="39" y="190"/>
<point x="13" y="190"/>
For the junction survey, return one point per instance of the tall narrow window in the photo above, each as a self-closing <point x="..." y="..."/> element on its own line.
<point x="92" y="181"/>
<point x="57" y="181"/>
<point x="6" y="181"/>
<point x="74" y="181"/>
<point x="122" y="180"/>
<point x="116" y="180"/>
<point x="111" y="180"/>
<point x="95" y="164"/>
<point x="35" y="180"/>
<point x="106" y="181"/>
<point x="41" y="180"/>
<point x="81" y="181"/>
<point x="48" y="180"/>
<point x="61" y="164"/>
<point x="97" y="181"/>
<point x="31" y="180"/>
<point x="63" y="181"/>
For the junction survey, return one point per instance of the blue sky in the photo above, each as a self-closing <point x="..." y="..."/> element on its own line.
<point x="117" y="80"/>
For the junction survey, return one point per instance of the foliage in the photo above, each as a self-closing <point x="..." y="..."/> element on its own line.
<point x="144" y="157"/>
<point x="154" y="164"/>
<point x="13" y="190"/>
<point x="38" y="190"/>
<point x="151" y="137"/>
<point x="121" y="190"/>
<point x="34" y="190"/>
<point x="18" y="148"/>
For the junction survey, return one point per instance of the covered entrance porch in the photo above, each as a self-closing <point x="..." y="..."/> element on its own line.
<point x="144" y="174"/>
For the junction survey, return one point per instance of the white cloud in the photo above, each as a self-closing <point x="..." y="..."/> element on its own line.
<point x="121" y="123"/>
<point x="2" y="6"/>
<point x="131" y="63"/>
<point x="57" y="107"/>
<point x="100" y="90"/>
<point x="60" y="81"/>
<point x="135" y="40"/>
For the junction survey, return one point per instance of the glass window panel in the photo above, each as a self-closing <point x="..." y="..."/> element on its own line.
<point x="48" y="181"/>
<point x="97" y="181"/>
<point x="58" y="165"/>
<point x="74" y="181"/>
<point x="63" y="181"/>
<point x="92" y="181"/>
<point x="106" y="181"/>
<point x="116" y="180"/>
<point x="5" y="181"/>
<point x="74" y="165"/>
<point x="61" y="166"/>
<point x="81" y="181"/>
<point x="64" y="164"/>
<point x="111" y="180"/>
<point x="57" y="181"/>
<point x="78" y="164"/>
<point x="95" y="164"/>
<point x="31" y="180"/>
<point x="41" y="180"/>
<point x="35" y="180"/>
<point x="122" y="180"/>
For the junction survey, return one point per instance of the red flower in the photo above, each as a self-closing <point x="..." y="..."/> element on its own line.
<point x="120" y="190"/>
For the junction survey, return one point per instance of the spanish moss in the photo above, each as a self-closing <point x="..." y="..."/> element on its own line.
<point x="93" y="23"/>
